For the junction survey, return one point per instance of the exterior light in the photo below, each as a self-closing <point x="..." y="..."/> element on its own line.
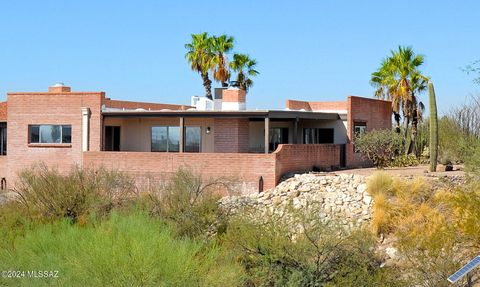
<point x="208" y="130"/>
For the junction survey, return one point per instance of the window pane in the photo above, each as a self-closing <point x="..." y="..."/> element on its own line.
<point x="34" y="134"/>
<point x="159" y="138"/>
<point x="192" y="139"/>
<point x="67" y="134"/>
<point x="50" y="134"/>
<point x="173" y="139"/>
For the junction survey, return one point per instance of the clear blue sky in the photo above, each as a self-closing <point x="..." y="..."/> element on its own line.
<point x="311" y="50"/>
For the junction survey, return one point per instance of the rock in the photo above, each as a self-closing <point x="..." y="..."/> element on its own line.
<point x="367" y="199"/>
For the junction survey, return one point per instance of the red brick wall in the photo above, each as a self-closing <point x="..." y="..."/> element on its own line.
<point x="300" y="158"/>
<point x="3" y="166"/>
<point x="3" y="111"/>
<point x="377" y="114"/>
<point x="136" y="105"/>
<point x="315" y="106"/>
<point x="297" y="105"/>
<point x="50" y="108"/>
<point x="148" y="168"/>
<point x="231" y="135"/>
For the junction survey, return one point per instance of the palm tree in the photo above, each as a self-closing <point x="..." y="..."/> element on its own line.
<point x="221" y="46"/>
<point x="244" y="66"/>
<point x="201" y="58"/>
<point x="383" y="79"/>
<point x="400" y="80"/>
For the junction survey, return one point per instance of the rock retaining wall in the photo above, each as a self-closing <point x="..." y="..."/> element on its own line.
<point x="342" y="197"/>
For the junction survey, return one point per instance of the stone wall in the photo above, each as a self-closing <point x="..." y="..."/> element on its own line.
<point x="342" y="198"/>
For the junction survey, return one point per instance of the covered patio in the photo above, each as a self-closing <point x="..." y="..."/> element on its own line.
<point x="185" y="131"/>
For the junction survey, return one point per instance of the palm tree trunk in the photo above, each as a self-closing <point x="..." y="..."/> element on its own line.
<point x="413" y="137"/>
<point x="405" y="135"/>
<point x="207" y="83"/>
<point x="397" y="122"/>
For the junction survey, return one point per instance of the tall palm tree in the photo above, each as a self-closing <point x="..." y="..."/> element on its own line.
<point x="400" y="80"/>
<point x="200" y="56"/>
<point x="383" y="79"/>
<point x="221" y="46"/>
<point x="244" y="66"/>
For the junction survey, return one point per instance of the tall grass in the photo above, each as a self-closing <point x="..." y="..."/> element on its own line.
<point x="124" y="250"/>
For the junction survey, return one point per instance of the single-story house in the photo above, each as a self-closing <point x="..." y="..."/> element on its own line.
<point x="214" y="138"/>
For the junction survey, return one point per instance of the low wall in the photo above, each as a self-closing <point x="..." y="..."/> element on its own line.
<point x="151" y="168"/>
<point x="3" y="167"/>
<point x="300" y="158"/>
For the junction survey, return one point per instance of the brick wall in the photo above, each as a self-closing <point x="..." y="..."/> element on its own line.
<point x="3" y="111"/>
<point x="3" y="167"/>
<point x="315" y="106"/>
<point x="50" y="108"/>
<point x="231" y="135"/>
<point x="152" y="168"/>
<point x="300" y="158"/>
<point x="140" y="105"/>
<point x="377" y="114"/>
<point x="297" y="105"/>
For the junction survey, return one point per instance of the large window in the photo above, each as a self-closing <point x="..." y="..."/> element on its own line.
<point x="167" y="139"/>
<point x="3" y="139"/>
<point x="317" y="136"/>
<point x="50" y="134"/>
<point x="112" y="138"/>
<point x="193" y="139"/>
<point x="277" y="136"/>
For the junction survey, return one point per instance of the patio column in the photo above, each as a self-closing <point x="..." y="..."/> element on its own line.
<point x="267" y="131"/>
<point x="295" y="131"/>
<point x="182" y="134"/>
<point x="85" y="128"/>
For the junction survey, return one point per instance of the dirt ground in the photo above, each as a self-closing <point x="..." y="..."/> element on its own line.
<point x="421" y="170"/>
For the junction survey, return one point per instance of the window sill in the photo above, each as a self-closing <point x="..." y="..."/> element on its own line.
<point x="50" y="145"/>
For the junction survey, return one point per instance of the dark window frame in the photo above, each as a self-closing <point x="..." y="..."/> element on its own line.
<point x="316" y="138"/>
<point x="3" y="139"/>
<point x="63" y="136"/>
<point x="284" y="134"/>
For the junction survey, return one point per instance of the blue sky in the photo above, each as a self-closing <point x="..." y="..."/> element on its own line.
<point x="311" y="50"/>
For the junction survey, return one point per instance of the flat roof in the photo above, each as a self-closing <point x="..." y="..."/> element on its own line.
<point x="273" y="114"/>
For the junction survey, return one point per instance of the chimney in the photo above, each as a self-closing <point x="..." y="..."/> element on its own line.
<point x="59" y="88"/>
<point x="233" y="99"/>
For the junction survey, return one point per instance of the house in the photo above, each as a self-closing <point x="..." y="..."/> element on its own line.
<point x="150" y="141"/>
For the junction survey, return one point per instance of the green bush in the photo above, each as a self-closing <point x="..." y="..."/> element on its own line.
<point x="379" y="146"/>
<point x="297" y="249"/>
<point x="133" y="250"/>
<point x="48" y="195"/>
<point x="404" y="161"/>
<point x="189" y="205"/>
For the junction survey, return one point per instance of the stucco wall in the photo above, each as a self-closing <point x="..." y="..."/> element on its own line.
<point x="135" y="133"/>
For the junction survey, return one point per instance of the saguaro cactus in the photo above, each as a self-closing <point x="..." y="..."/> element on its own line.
<point x="433" y="128"/>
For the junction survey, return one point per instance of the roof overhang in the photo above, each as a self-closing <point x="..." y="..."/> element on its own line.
<point x="273" y="114"/>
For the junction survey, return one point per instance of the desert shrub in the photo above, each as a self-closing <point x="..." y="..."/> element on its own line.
<point x="297" y="249"/>
<point x="122" y="250"/>
<point x="404" y="161"/>
<point x="379" y="146"/>
<point x="48" y="195"/>
<point x="433" y="230"/>
<point x="189" y="204"/>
